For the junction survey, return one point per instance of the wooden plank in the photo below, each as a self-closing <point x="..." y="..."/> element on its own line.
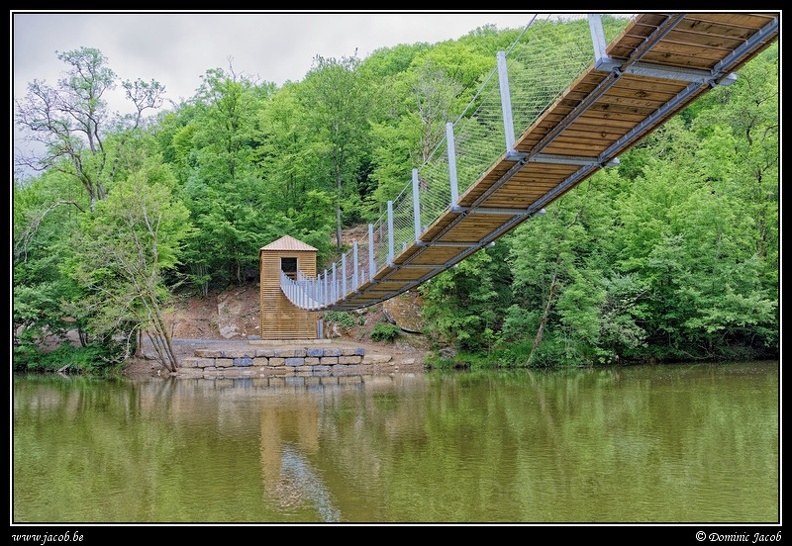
<point x="433" y="256"/>
<point x="406" y="275"/>
<point x="474" y="228"/>
<point x="698" y="41"/>
<point x="389" y="285"/>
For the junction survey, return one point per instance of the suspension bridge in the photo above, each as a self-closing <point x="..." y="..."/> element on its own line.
<point x="574" y="117"/>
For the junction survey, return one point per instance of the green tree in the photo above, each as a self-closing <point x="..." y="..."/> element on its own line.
<point x="220" y="182"/>
<point x="83" y="149"/>
<point x="464" y="305"/>
<point x="570" y="306"/>
<point x="283" y="155"/>
<point x="41" y="228"/>
<point x="742" y="126"/>
<point x="694" y="251"/>
<point x="294" y="200"/>
<point x="136" y="233"/>
<point x="72" y="121"/>
<point x="555" y="293"/>
<point x="337" y="104"/>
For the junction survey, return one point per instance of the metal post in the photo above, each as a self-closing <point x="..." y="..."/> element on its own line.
<point x="355" y="282"/>
<point x="597" y="37"/>
<point x="452" y="172"/>
<point x="335" y="283"/>
<point x="508" y="120"/>
<point x="390" y="232"/>
<point x="326" y="293"/>
<point x="416" y="205"/>
<point x="343" y="276"/>
<point x="372" y="265"/>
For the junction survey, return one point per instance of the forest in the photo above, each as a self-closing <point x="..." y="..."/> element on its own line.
<point x="671" y="256"/>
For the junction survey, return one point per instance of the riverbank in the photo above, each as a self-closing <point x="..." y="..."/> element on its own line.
<point x="396" y="357"/>
<point x="230" y="321"/>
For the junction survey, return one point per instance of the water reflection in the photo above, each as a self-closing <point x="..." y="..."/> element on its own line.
<point x="289" y="431"/>
<point x="688" y="443"/>
<point x="298" y="481"/>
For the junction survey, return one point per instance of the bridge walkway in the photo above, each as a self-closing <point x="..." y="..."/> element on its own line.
<point x="656" y="66"/>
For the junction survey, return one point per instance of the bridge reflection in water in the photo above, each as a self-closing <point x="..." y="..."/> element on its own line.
<point x="289" y="478"/>
<point x="291" y="431"/>
<point x="579" y="103"/>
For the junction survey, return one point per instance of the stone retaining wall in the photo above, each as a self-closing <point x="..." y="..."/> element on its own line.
<point x="262" y="362"/>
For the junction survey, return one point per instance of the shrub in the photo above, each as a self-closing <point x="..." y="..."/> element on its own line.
<point x="385" y="331"/>
<point x="94" y="359"/>
<point x="343" y="318"/>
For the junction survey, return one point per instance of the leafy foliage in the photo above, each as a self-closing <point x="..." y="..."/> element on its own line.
<point x="342" y="318"/>
<point x="136" y="233"/>
<point x="673" y="255"/>
<point x="463" y="304"/>
<point x="385" y="331"/>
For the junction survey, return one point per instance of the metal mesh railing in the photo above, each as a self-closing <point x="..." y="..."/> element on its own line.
<point x="534" y="85"/>
<point x="434" y="187"/>
<point x="547" y="57"/>
<point x="403" y="221"/>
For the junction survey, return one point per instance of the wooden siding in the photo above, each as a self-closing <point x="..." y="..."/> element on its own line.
<point x="280" y="319"/>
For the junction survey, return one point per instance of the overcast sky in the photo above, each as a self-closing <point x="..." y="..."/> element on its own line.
<point x="177" y="48"/>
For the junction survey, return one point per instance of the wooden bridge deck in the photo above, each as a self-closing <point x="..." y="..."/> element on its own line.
<point x="607" y="110"/>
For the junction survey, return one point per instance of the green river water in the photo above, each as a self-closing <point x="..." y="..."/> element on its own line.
<point x="693" y="443"/>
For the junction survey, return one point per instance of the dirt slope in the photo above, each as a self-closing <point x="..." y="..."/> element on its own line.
<point x="232" y="317"/>
<point x="234" y="314"/>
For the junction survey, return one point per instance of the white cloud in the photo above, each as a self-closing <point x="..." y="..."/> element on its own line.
<point x="176" y="49"/>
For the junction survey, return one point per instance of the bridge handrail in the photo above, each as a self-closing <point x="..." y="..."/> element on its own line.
<point x="476" y="140"/>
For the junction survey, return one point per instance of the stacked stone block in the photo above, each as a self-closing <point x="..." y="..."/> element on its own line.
<point x="260" y="362"/>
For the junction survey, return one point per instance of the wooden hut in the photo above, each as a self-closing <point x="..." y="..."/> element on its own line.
<point x="280" y="318"/>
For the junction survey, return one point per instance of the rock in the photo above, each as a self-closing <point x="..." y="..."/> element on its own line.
<point x="377" y="359"/>
<point x="404" y="311"/>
